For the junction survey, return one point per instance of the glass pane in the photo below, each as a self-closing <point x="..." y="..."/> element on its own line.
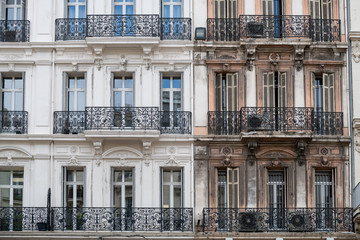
<point x="166" y="176"/>
<point x="166" y="196"/>
<point x="81" y="101"/>
<point x="117" y="196"/>
<point x="166" y="11"/>
<point x="70" y="176"/>
<point x="176" y="0"/>
<point x="117" y="99"/>
<point x="79" y="196"/>
<point x="118" y="0"/>
<point x="166" y="0"/>
<point x="71" y="11"/>
<point x="177" y="11"/>
<point x="128" y="83"/>
<point x="117" y="176"/>
<point x="18" y="2"/>
<point x="118" y="10"/>
<point x="4" y="197"/>
<point x="177" y="101"/>
<point x="177" y="176"/>
<point x="82" y="0"/>
<point x="69" y="196"/>
<point x="10" y="1"/>
<point x="129" y="10"/>
<point x="18" y="14"/>
<point x="129" y="0"/>
<point x="177" y="83"/>
<point x="177" y="196"/>
<point x="18" y="101"/>
<point x="71" y="83"/>
<point x="128" y="196"/>
<point x="71" y="101"/>
<point x="79" y="176"/>
<point x="7" y="101"/>
<point x="18" y="83"/>
<point x="71" y="1"/>
<point x="81" y="83"/>
<point x="118" y="83"/>
<point x="10" y="14"/>
<point x="166" y="83"/>
<point x="17" y="200"/>
<point x="82" y="11"/>
<point x="128" y="99"/>
<point x="7" y="83"/>
<point x="128" y="176"/>
<point x="166" y="101"/>
<point x="5" y="177"/>
<point x="18" y="178"/>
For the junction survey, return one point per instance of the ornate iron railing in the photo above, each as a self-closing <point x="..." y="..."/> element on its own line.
<point x="122" y="118"/>
<point x="13" y="122"/>
<point x="176" y="28"/>
<point x="276" y="118"/>
<point x="177" y="122"/>
<point x="277" y="219"/>
<point x="325" y="30"/>
<point x="14" y="31"/>
<point x="95" y="219"/>
<point x="328" y="123"/>
<point x="69" y="122"/>
<point x="70" y="29"/>
<point x="224" y="122"/>
<point x="123" y="26"/>
<point x="223" y="29"/>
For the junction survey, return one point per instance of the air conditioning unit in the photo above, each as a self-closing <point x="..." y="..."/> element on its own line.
<point x="248" y="221"/>
<point x="9" y="35"/>
<point x="255" y="29"/>
<point x="254" y="122"/>
<point x="300" y="221"/>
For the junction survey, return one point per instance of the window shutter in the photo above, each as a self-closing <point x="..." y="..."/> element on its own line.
<point x="66" y="88"/>
<point x="267" y="7"/>
<point x="333" y="178"/>
<point x="64" y="186"/>
<point x="23" y="10"/>
<point x="328" y="92"/>
<point x="232" y="8"/>
<point x="312" y="83"/>
<point x="282" y="90"/>
<point x="229" y="186"/>
<point x="218" y="92"/>
<point x="314" y="9"/>
<point x="2" y="9"/>
<point x="220" y="9"/>
<point x="229" y="92"/>
<point x="235" y="93"/>
<point x="326" y="9"/>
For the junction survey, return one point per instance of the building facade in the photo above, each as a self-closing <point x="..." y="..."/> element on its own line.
<point x="119" y="121"/>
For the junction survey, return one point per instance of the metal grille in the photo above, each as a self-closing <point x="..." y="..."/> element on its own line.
<point x="276" y="199"/>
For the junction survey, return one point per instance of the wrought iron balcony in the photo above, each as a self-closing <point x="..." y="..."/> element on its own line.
<point x="277" y="220"/>
<point x="325" y="30"/>
<point x="275" y="119"/>
<point x="123" y="26"/>
<point x="69" y="122"/>
<point x="178" y="122"/>
<point x="96" y="219"/>
<point x="14" y="31"/>
<point x="13" y="122"/>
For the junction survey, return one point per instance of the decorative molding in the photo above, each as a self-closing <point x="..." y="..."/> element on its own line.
<point x="324" y="161"/>
<point x="172" y="161"/>
<point x="11" y="67"/>
<point x="98" y="152"/>
<point x="10" y="153"/>
<point x="251" y="158"/>
<point x="274" y="58"/>
<point x="301" y="147"/>
<point x="129" y="153"/>
<point x="250" y="56"/>
<point x="276" y="155"/>
<point x="276" y="163"/>
<point x="75" y="66"/>
<point x="73" y="161"/>
<point x="147" y="57"/>
<point x="123" y="63"/>
<point x="226" y="67"/>
<point x="98" y="57"/>
<point x="299" y="57"/>
<point x="356" y="126"/>
<point x="122" y="160"/>
<point x="147" y="152"/>
<point x="355" y="46"/>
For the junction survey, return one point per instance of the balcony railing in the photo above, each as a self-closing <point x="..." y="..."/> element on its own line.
<point x="275" y="119"/>
<point x="277" y="220"/>
<point x="14" y="31"/>
<point x="69" y="122"/>
<point x="96" y="219"/>
<point x="123" y="26"/>
<point x="13" y="122"/>
<point x="112" y="118"/>
<point x="271" y="26"/>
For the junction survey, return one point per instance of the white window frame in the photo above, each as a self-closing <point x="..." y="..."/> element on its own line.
<point x="123" y="90"/>
<point x="124" y="4"/>
<point x="172" y="183"/>
<point x="4" y="6"/>
<point x="122" y="184"/>
<point x="231" y="185"/>
<point x="12" y="187"/>
<point x="77" y="4"/>
<point x="12" y="90"/>
<point x="171" y="91"/>
<point x="172" y="4"/>
<point x="75" y="90"/>
<point x="74" y="183"/>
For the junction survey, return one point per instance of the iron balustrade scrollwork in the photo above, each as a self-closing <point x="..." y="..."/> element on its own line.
<point x="70" y="29"/>
<point x="22" y="218"/>
<point x="224" y="122"/>
<point x="123" y="25"/>
<point x="122" y="118"/>
<point x="14" y="31"/>
<point x="69" y="122"/>
<point x="274" y="26"/>
<point x="277" y="219"/>
<point x="328" y="123"/>
<point x="176" y="28"/>
<point x="175" y="122"/>
<point x="223" y="29"/>
<point x="325" y="30"/>
<point x="13" y="122"/>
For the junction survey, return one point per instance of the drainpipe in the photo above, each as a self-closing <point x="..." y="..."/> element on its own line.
<point x="350" y="102"/>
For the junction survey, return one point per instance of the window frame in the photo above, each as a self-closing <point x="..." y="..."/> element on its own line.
<point x="76" y="76"/>
<point x="123" y="90"/>
<point x="229" y="186"/>
<point x="171" y="91"/>
<point x="171" y="184"/>
<point x="123" y="184"/>
<point x="75" y="183"/>
<point x="11" y="186"/>
<point x="327" y="105"/>
<point x="12" y="90"/>
<point x="171" y="3"/>
<point x="123" y="4"/>
<point x="219" y="88"/>
<point x="77" y="4"/>
<point x="277" y="86"/>
<point x="15" y="6"/>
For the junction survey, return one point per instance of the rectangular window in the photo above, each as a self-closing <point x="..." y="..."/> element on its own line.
<point x="76" y="8"/>
<point x="11" y="188"/>
<point x="276" y="199"/>
<point x="323" y="99"/>
<point x="123" y="7"/>
<point x="324" y="197"/>
<point x="320" y="9"/>
<point x="12" y="92"/>
<point x="228" y="188"/>
<point x="225" y="9"/>
<point x="74" y="192"/>
<point x="274" y="89"/>
<point x="171" y="93"/>
<point x="226" y="92"/>
<point x="13" y="9"/>
<point x="123" y="90"/>
<point x="75" y="92"/>
<point x="172" y="8"/>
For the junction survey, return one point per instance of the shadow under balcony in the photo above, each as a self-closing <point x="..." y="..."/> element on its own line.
<point x="123" y="26"/>
<point x="96" y="219"/>
<point x="14" y="122"/>
<point x="14" y="31"/>
<point x="286" y="119"/>
<point x="277" y="220"/>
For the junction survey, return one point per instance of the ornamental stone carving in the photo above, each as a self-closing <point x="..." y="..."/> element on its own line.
<point x="250" y="56"/>
<point x="98" y="152"/>
<point x="147" y="152"/>
<point x="355" y="46"/>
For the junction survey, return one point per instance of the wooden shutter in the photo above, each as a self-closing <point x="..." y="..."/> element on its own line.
<point x="66" y="88"/>
<point x="269" y="89"/>
<point x="218" y="92"/>
<point x="267" y="7"/>
<point x="326" y="6"/>
<point x="235" y="91"/>
<point x="312" y="90"/>
<point x="220" y="8"/>
<point x="282" y="90"/>
<point x="328" y="93"/>
<point x="314" y="9"/>
<point x="233" y="187"/>
<point x="231" y="92"/>
<point x="232" y="9"/>
<point x="2" y="9"/>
